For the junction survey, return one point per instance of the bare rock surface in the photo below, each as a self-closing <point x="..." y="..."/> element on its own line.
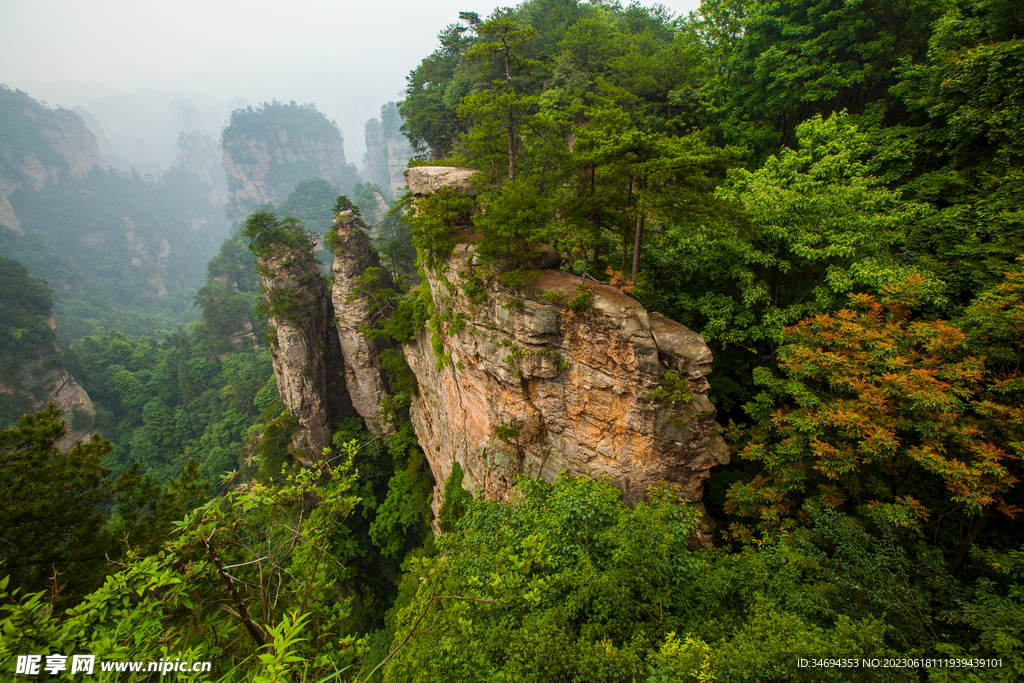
<point x="306" y="367"/>
<point x="540" y="380"/>
<point x="424" y="180"/>
<point x="363" y="377"/>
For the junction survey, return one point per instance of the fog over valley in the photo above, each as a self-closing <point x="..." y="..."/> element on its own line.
<point x="132" y="65"/>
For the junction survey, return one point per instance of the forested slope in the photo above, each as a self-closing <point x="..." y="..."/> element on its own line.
<point x="121" y="251"/>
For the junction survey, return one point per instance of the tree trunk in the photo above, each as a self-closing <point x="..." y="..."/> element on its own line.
<point x="636" y="243"/>
<point x="511" y="150"/>
<point x="965" y="544"/>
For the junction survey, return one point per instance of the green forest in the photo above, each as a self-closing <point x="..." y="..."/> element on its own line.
<point x="829" y="192"/>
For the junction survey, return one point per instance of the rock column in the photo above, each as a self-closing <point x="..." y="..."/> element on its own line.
<point x="366" y="384"/>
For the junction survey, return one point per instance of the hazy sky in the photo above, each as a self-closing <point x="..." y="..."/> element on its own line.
<point x="346" y="56"/>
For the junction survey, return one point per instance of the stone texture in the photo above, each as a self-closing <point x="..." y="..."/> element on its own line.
<point x="7" y="215"/>
<point x="363" y="377"/>
<point x="575" y="384"/>
<point x="65" y="134"/>
<point x="387" y="150"/>
<point x="544" y="257"/>
<point x="307" y="361"/>
<point x="423" y="180"/>
<point x="59" y="387"/>
<point x="70" y="138"/>
<point x="63" y="390"/>
<point x="249" y="162"/>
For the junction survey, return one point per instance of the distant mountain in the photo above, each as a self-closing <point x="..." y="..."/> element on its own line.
<point x="121" y="251"/>
<point x="387" y="151"/>
<point x="269" y="149"/>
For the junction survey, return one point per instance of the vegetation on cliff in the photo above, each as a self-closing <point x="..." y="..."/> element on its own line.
<point x="27" y="338"/>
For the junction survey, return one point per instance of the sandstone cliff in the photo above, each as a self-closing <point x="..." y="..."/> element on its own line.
<point x="304" y="348"/>
<point x="539" y="379"/>
<point x="366" y="383"/>
<point x="31" y="370"/>
<point x="387" y="150"/>
<point x="267" y="150"/>
<point x="108" y="154"/>
<point x="40" y="146"/>
<point x="60" y="388"/>
<point x="552" y="378"/>
<point x="198" y="155"/>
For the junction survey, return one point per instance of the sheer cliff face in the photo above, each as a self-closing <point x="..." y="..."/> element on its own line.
<point x="197" y="153"/>
<point x="304" y="349"/>
<point x="363" y="377"/>
<point x="49" y="145"/>
<point x="387" y="150"/>
<point x="267" y="151"/>
<point x="533" y="385"/>
<point x="250" y="164"/>
<point x="535" y="381"/>
<point x="58" y="387"/>
<point x="31" y="370"/>
<point x="73" y="149"/>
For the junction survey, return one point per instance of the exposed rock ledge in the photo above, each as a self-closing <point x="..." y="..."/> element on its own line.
<point x="567" y="389"/>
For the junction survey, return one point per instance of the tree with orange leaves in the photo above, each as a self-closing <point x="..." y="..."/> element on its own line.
<point x="874" y="408"/>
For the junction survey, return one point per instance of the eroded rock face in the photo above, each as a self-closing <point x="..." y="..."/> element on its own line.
<point x="353" y="256"/>
<point x="44" y="367"/>
<point x="424" y="180"/>
<point x="255" y="165"/>
<point x="71" y="398"/>
<point x="387" y="150"/>
<point x="64" y="137"/>
<point x="306" y="358"/>
<point x="539" y="380"/>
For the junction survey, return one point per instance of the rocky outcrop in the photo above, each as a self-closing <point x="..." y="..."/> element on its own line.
<point x="424" y="180"/>
<point x="70" y="138"/>
<point x="266" y="151"/>
<point x="32" y="372"/>
<point x="41" y="146"/>
<point x="353" y="256"/>
<point x="75" y="406"/>
<point x="70" y="151"/>
<point x="387" y="150"/>
<point x="7" y="216"/>
<point x="60" y="388"/>
<point x="554" y="378"/>
<point x="304" y="349"/>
